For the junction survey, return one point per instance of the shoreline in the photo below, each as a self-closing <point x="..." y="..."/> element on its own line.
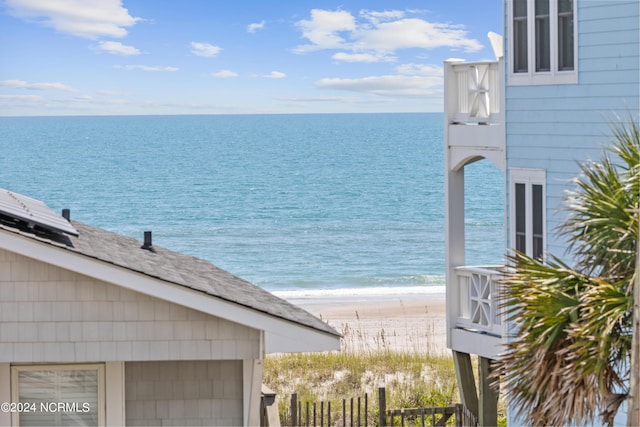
<point x="389" y="322"/>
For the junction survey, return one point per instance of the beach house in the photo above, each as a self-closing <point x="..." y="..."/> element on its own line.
<point x="564" y="70"/>
<point x="101" y="329"/>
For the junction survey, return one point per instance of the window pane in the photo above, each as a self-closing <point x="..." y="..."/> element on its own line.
<point x="542" y="7"/>
<point x="565" y="35"/>
<point x="543" y="35"/>
<point x="520" y="8"/>
<point x="520" y="48"/>
<point x="62" y="394"/>
<point x="520" y="215"/>
<point x="520" y="54"/>
<point x="537" y="217"/>
<point x="565" y="6"/>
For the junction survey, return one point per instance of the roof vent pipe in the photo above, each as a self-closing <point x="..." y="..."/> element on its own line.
<point x="148" y="245"/>
<point x="66" y="214"/>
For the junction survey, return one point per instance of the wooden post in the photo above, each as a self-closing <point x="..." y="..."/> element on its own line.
<point x="351" y="413"/>
<point x="466" y="381"/>
<point x="344" y="412"/>
<point x="458" y="415"/>
<point x="382" y="405"/>
<point x="488" y="396"/>
<point x="314" y="414"/>
<point x="366" y="410"/>
<point x="294" y="409"/>
<point x="329" y="413"/>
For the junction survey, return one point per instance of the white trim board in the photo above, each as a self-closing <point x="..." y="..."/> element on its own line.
<point x="281" y="335"/>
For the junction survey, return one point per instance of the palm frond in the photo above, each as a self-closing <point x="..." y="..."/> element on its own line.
<point x="568" y="353"/>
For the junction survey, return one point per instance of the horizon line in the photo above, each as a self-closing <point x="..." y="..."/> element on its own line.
<point x="219" y="114"/>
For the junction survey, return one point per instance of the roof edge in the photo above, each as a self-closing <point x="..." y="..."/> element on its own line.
<point x="296" y="339"/>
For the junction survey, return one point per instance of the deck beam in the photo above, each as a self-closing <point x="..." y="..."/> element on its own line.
<point x="488" y="415"/>
<point x="466" y="381"/>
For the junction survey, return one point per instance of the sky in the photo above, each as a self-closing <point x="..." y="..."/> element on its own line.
<point x="131" y="57"/>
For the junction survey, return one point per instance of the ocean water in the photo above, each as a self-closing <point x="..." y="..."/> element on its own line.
<point x="301" y="205"/>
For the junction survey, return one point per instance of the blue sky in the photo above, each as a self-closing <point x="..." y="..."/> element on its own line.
<point x="85" y="57"/>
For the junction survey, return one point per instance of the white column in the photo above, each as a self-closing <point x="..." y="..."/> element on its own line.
<point x="454" y="199"/>
<point x="5" y="392"/>
<point x="252" y="388"/>
<point x="114" y="395"/>
<point x="455" y="244"/>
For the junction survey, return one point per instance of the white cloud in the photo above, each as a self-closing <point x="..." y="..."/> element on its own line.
<point x="117" y="48"/>
<point x="420" y="69"/>
<point x="83" y="18"/>
<point x="224" y="74"/>
<point x="145" y="68"/>
<point x="252" y="28"/>
<point x="323" y="99"/>
<point x="412" y="33"/>
<point x="107" y="92"/>
<point x="274" y="75"/>
<point x="205" y="49"/>
<point x="391" y="85"/>
<point x="363" y="57"/>
<point x="387" y="15"/>
<point x="21" y="84"/>
<point x="22" y="98"/>
<point x="378" y="34"/>
<point x="324" y="28"/>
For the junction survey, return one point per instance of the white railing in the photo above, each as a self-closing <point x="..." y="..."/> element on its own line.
<point x="478" y="305"/>
<point x="473" y="91"/>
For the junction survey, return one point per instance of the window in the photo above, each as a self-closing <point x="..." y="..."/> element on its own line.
<point x="520" y="54"/>
<point x="565" y="35"/>
<point x="542" y="42"/>
<point x="58" y="395"/>
<point x="521" y="218"/>
<point x="528" y="211"/>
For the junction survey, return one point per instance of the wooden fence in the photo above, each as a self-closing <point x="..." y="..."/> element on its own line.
<point x="357" y="412"/>
<point x="434" y="417"/>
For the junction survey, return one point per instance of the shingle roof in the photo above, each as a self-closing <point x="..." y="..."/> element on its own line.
<point x="174" y="267"/>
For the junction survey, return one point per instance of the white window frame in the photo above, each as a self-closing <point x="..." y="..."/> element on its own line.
<point x="528" y="177"/>
<point x="99" y="367"/>
<point x="554" y="76"/>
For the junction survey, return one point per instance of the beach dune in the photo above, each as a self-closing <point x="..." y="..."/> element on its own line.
<point x="407" y="323"/>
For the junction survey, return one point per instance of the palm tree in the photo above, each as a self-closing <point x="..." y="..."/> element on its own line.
<point x="568" y="357"/>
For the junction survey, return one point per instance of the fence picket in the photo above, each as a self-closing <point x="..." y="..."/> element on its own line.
<point x="351" y="413"/>
<point x="344" y="412"/>
<point x="294" y="409"/>
<point x="382" y="405"/>
<point x="366" y="410"/>
<point x="437" y="416"/>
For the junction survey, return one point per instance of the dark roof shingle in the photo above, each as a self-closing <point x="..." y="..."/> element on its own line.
<point x="180" y="269"/>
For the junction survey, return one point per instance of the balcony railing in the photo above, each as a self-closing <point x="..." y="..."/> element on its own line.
<point x="474" y="112"/>
<point x="478" y="305"/>
<point x="473" y="92"/>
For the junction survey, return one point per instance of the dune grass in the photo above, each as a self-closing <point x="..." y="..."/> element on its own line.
<point x="411" y="378"/>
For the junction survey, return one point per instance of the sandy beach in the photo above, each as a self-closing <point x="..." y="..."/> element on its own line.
<point x="413" y="323"/>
